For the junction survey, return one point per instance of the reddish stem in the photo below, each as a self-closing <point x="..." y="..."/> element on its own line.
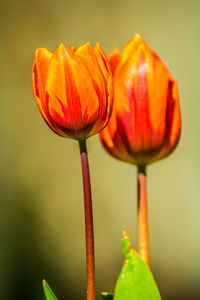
<point x="88" y="222"/>
<point x="143" y="236"/>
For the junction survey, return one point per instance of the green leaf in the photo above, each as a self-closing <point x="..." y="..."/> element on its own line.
<point x="107" y="296"/>
<point x="48" y="292"/>
<point x="135" y="281"/>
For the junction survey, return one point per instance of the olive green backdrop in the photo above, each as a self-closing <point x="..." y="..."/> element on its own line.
<point x="41" y="205"/>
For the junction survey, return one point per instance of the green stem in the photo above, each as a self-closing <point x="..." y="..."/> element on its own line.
<point x="90" y="261"/>
<point x="143" y="235"/>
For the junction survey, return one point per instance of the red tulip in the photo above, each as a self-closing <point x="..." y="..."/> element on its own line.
<point x="146" y="121"/>
<point x="73" y="89"/>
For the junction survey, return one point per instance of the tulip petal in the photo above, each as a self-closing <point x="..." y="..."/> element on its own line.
<point x="102" y="61"/>
<point x="106" y="108"/>
<point x="64" y="100"/>
<point x="130" y="47"/>
<point x="114" y="59"/>
<point x="87" y="55"/>
<point x="173" y="120"/>
<point x="38" y="77"/>
<point x="71" y="91"/>
<point x="39" y="74"/>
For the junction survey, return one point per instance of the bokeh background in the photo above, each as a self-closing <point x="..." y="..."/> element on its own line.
<point x="41" y="205"/>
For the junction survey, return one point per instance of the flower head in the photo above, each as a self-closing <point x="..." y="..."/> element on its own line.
<point x="146" y="122"/>
<point x="73" y="89"/>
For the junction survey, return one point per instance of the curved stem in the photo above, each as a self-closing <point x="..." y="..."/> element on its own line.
<point x="143" y="235"/>
<point x="88" y="222"/>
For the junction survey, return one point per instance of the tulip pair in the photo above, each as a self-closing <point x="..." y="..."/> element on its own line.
<point x="73" y="90"/>
<point x="131" y="99"/>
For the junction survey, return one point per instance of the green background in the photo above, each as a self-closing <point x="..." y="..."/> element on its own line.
<point x="41" y="205"/>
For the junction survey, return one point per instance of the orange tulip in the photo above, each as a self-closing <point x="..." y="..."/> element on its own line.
<point x="146" y="122"/>
<point x="73" y="89"/>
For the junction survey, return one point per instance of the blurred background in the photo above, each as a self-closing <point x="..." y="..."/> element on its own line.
<point x="41" y="205"/>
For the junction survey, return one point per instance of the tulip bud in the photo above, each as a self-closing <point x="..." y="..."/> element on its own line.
<point x="73" y="89"/>
<point x="146" y="121"/>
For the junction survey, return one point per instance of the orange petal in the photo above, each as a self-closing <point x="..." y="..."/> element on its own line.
<point x="39" y="73"/>
<point x="173" y="120"/>
<point x="62" y="90"/>
<point x="73" y="99"/>
<point x="87" y="55"/>
<point x="38" y="78"/>
<point x="114" y="59"/>
<point x="102" y="61"/>
<point x="130" y="47"/>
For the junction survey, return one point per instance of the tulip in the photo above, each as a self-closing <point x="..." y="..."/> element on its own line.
<point x="73" y="89"/>
<point x="146" y="122"/>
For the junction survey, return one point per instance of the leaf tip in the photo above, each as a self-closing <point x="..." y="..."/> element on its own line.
<point x="126" y="246"/>
<point x="125" y="234"/>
